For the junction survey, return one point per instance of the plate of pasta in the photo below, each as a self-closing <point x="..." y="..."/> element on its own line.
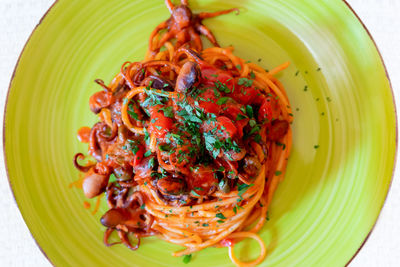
<point x="159" y="133"/>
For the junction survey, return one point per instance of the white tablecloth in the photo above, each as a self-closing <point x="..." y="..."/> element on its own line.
<point x="19" y="17"/>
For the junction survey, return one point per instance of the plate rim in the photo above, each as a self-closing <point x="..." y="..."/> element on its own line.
<point x="348" y="6"/>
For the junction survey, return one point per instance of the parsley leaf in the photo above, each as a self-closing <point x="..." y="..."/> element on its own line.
<point x="146" y="136"/>
<point x="194" y="193"/>
<point x="246" y="82"/>
<point x="164" y="148"/>
<point x="252" y="123"/>
<point x="168" y="111"/>
<point x="242" y="188"/>
<point x="220" y="215"/>
<point x="222" y="100"/>
<point x="240" y="117"/>
<point x="249" y="111"/>
<point x="151" y="163"/>
<point x="187" y="258"/>
<point x="132" y="113"/>
<point x="222" y="87"/>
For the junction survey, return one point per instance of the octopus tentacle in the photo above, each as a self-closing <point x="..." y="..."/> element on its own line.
<point x="207" y="33"/>
<point x="169" y="5"/>
<point x="161" y="26"/>
<point x="80" y="167"/>
<point x="126" y="242"/>
<point x="107" y="234"/>
<point x="207" y="15"/>
<point x="197" y="40"/>
<point x="101" y="83"/>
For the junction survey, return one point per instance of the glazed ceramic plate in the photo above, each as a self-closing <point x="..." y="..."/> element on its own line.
<point x="344" y="127"/>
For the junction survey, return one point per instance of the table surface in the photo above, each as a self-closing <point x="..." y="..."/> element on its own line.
<point x="19" y="17"/>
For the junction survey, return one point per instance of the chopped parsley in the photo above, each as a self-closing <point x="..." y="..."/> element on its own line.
<point x="168" y="111"/>
<point x="151" y="163"/>
<point x="221" y="216"/>
<point x="240" y="117"/>
<point x="222" y="87"/>
<point x="194" y="193"/>
<point x="246" y="82"/>
<point x="222" y="100"/>
<point x="154" y="97"/>
<point x="249" y="111"/>
<point x="280" y="144"/>
<point x="257" y="138"/>
<point x="253" y="130"/>
<point x="164" y="148"/>
<point x="146" y="136"/>
<point x="236" y="208"/>
<point x="242" y="188"/>
<point x="187" y="258"/>
<point x="131" y="146"/>
<point x="132" y="113"/>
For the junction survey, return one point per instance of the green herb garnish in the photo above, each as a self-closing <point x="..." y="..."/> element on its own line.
<point x="220" y="215"/>
<point x="187" y="258"/>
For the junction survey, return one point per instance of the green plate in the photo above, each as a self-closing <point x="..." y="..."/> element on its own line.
<point x="344" y="128"/>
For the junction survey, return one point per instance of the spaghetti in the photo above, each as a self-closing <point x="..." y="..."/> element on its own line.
<point x="191" y="143"/>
